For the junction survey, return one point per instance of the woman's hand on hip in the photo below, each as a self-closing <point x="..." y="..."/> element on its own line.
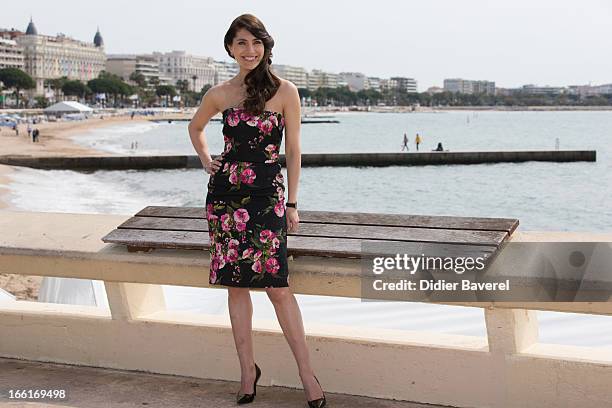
<point x="293" y="220"/>
<point x="212" y="166"/>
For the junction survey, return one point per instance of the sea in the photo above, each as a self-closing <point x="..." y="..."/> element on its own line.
<point x="543" y="196"/>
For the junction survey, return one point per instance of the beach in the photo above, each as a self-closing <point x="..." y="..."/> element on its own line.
<point x="55" y="140"/>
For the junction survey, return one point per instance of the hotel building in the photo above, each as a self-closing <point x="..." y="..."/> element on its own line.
<point x="47" y="57"/>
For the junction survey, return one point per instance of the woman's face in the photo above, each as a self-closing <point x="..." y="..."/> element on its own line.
<point x="247" y="49"/>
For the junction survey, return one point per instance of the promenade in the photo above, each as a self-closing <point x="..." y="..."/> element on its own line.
<point x="91" y="387"/>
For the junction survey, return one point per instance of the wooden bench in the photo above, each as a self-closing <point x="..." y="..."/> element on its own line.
<point x="323" y="233"/>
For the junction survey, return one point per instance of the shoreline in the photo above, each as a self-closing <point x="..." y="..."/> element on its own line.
<point x="56" y="139"/>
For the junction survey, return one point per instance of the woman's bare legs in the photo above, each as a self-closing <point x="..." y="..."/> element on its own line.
<point x="241" y="314"/>
<point x="290" y="320"/>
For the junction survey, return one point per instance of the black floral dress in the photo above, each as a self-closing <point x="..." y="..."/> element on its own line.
<point x="245" y="204"/>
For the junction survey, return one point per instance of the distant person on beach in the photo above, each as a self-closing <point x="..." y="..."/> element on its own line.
<point x="29" y="129"/>
<point x="439" y="148"/>
<point x="418" y="141"/>
<point x="35" y="134"/>
<point x="16" y="129"/>
<point x="132" y="115"/>
<point x="405" y="143"/>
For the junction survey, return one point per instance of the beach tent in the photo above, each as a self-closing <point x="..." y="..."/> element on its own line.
<point x="67" y="107"/>
<point x="6" y="296"/>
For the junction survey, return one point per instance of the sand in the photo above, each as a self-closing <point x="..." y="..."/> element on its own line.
<point x="54" y="140"/>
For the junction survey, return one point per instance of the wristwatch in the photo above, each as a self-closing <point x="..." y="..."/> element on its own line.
<point x="292" y="205"/>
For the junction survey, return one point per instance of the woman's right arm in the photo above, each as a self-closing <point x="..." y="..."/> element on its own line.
<point x="208" y="108"/>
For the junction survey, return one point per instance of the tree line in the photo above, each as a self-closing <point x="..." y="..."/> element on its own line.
<point x="151" y="93"/>
<point x="342" y="96"/>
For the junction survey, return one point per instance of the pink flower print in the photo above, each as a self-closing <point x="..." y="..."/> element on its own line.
<point x="225" y="167"/>
<point x="266" y="235"/>
<point x="282" y="122"/>
<point x="241" y="226"/>
<point x="233" y="119"/>
<point x="233" y="178"/>
<point x="241" y="215"/>
<point x="210" y="216"/>
<point x="233" y="167"/>
<point x="275" y="243"/>
<point x="226" y="222"/>
<point x="221" y="262"/>
<point x="279" y="177"/>
<point x="213" y="276"/>
<point x="251" y="120"/>
<point x="247" y="253"/>
<point x="232" y="255"/>
<point x="233" y="244"/>
<point x="272" y="266"/>
<point x="270" y="148"/>
<point x="279" y="209"/>
<point x="248" y="176"/>
<point x="265" y="126"/>
<point x="257" y="267"/>
<point x="274" y="120"/>
<point x="218" y="248"/>
<point x="245" y="116"/>
<point x="257" y="255"/>
<point x="217" y="263"/>
<point x="228" y="147"/>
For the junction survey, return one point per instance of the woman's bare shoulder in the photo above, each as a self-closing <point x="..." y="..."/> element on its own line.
<point x="221" y="93"/>
<point x="287" y="91"/>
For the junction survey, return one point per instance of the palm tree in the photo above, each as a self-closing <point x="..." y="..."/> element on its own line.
<point x="194" y="82"/>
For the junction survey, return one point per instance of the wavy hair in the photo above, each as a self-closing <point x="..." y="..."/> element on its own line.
<point x="261" y="83"/>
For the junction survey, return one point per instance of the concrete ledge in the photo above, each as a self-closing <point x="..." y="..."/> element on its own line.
<point x="508" y="368"/>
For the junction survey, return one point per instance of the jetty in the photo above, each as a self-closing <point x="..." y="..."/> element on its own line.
<point x="143" y="162"/>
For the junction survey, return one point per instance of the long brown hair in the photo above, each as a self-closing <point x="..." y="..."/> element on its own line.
<point x="261" y="83"/>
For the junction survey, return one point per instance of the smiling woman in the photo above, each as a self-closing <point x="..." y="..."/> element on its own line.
<point x="248" y="42"/>
<point x="248" y="218"/>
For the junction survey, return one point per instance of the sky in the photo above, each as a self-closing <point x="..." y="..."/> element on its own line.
<point x="517" y="42"/>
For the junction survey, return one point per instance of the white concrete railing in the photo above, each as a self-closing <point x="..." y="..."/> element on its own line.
<point x="508" y="368"/>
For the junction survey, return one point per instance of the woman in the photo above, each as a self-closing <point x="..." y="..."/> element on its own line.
<point x="245" y="206"/>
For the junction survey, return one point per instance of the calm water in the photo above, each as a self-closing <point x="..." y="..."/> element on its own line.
<point x="543" y="196"/>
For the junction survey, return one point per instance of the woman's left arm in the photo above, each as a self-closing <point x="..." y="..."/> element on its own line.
<point x="293" y="155"/>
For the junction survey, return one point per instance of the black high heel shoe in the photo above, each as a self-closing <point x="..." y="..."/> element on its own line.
<point x="318" y="403"/>
<point x="248" y="398"/>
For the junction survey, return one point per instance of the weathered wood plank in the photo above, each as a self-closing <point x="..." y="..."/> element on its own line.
<point x="348" y="231"/>
<point x="296" y="245"/>
<point x="390" y="220"/>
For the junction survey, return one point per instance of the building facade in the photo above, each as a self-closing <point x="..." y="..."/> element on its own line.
<point x="47" y="57"/>
<point x="125" y="65"/>
<point x="356" y="81"/>
<point x="543" y="90"/>
<point x="407" y="84"/>
<point x="224" y="71"/>
<point x="373" y="83"/>
<point x="467" y="86"/>
<point x="11" y="54"/>
<point x="297" y="75"/>
<point x="179" y="65"/>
